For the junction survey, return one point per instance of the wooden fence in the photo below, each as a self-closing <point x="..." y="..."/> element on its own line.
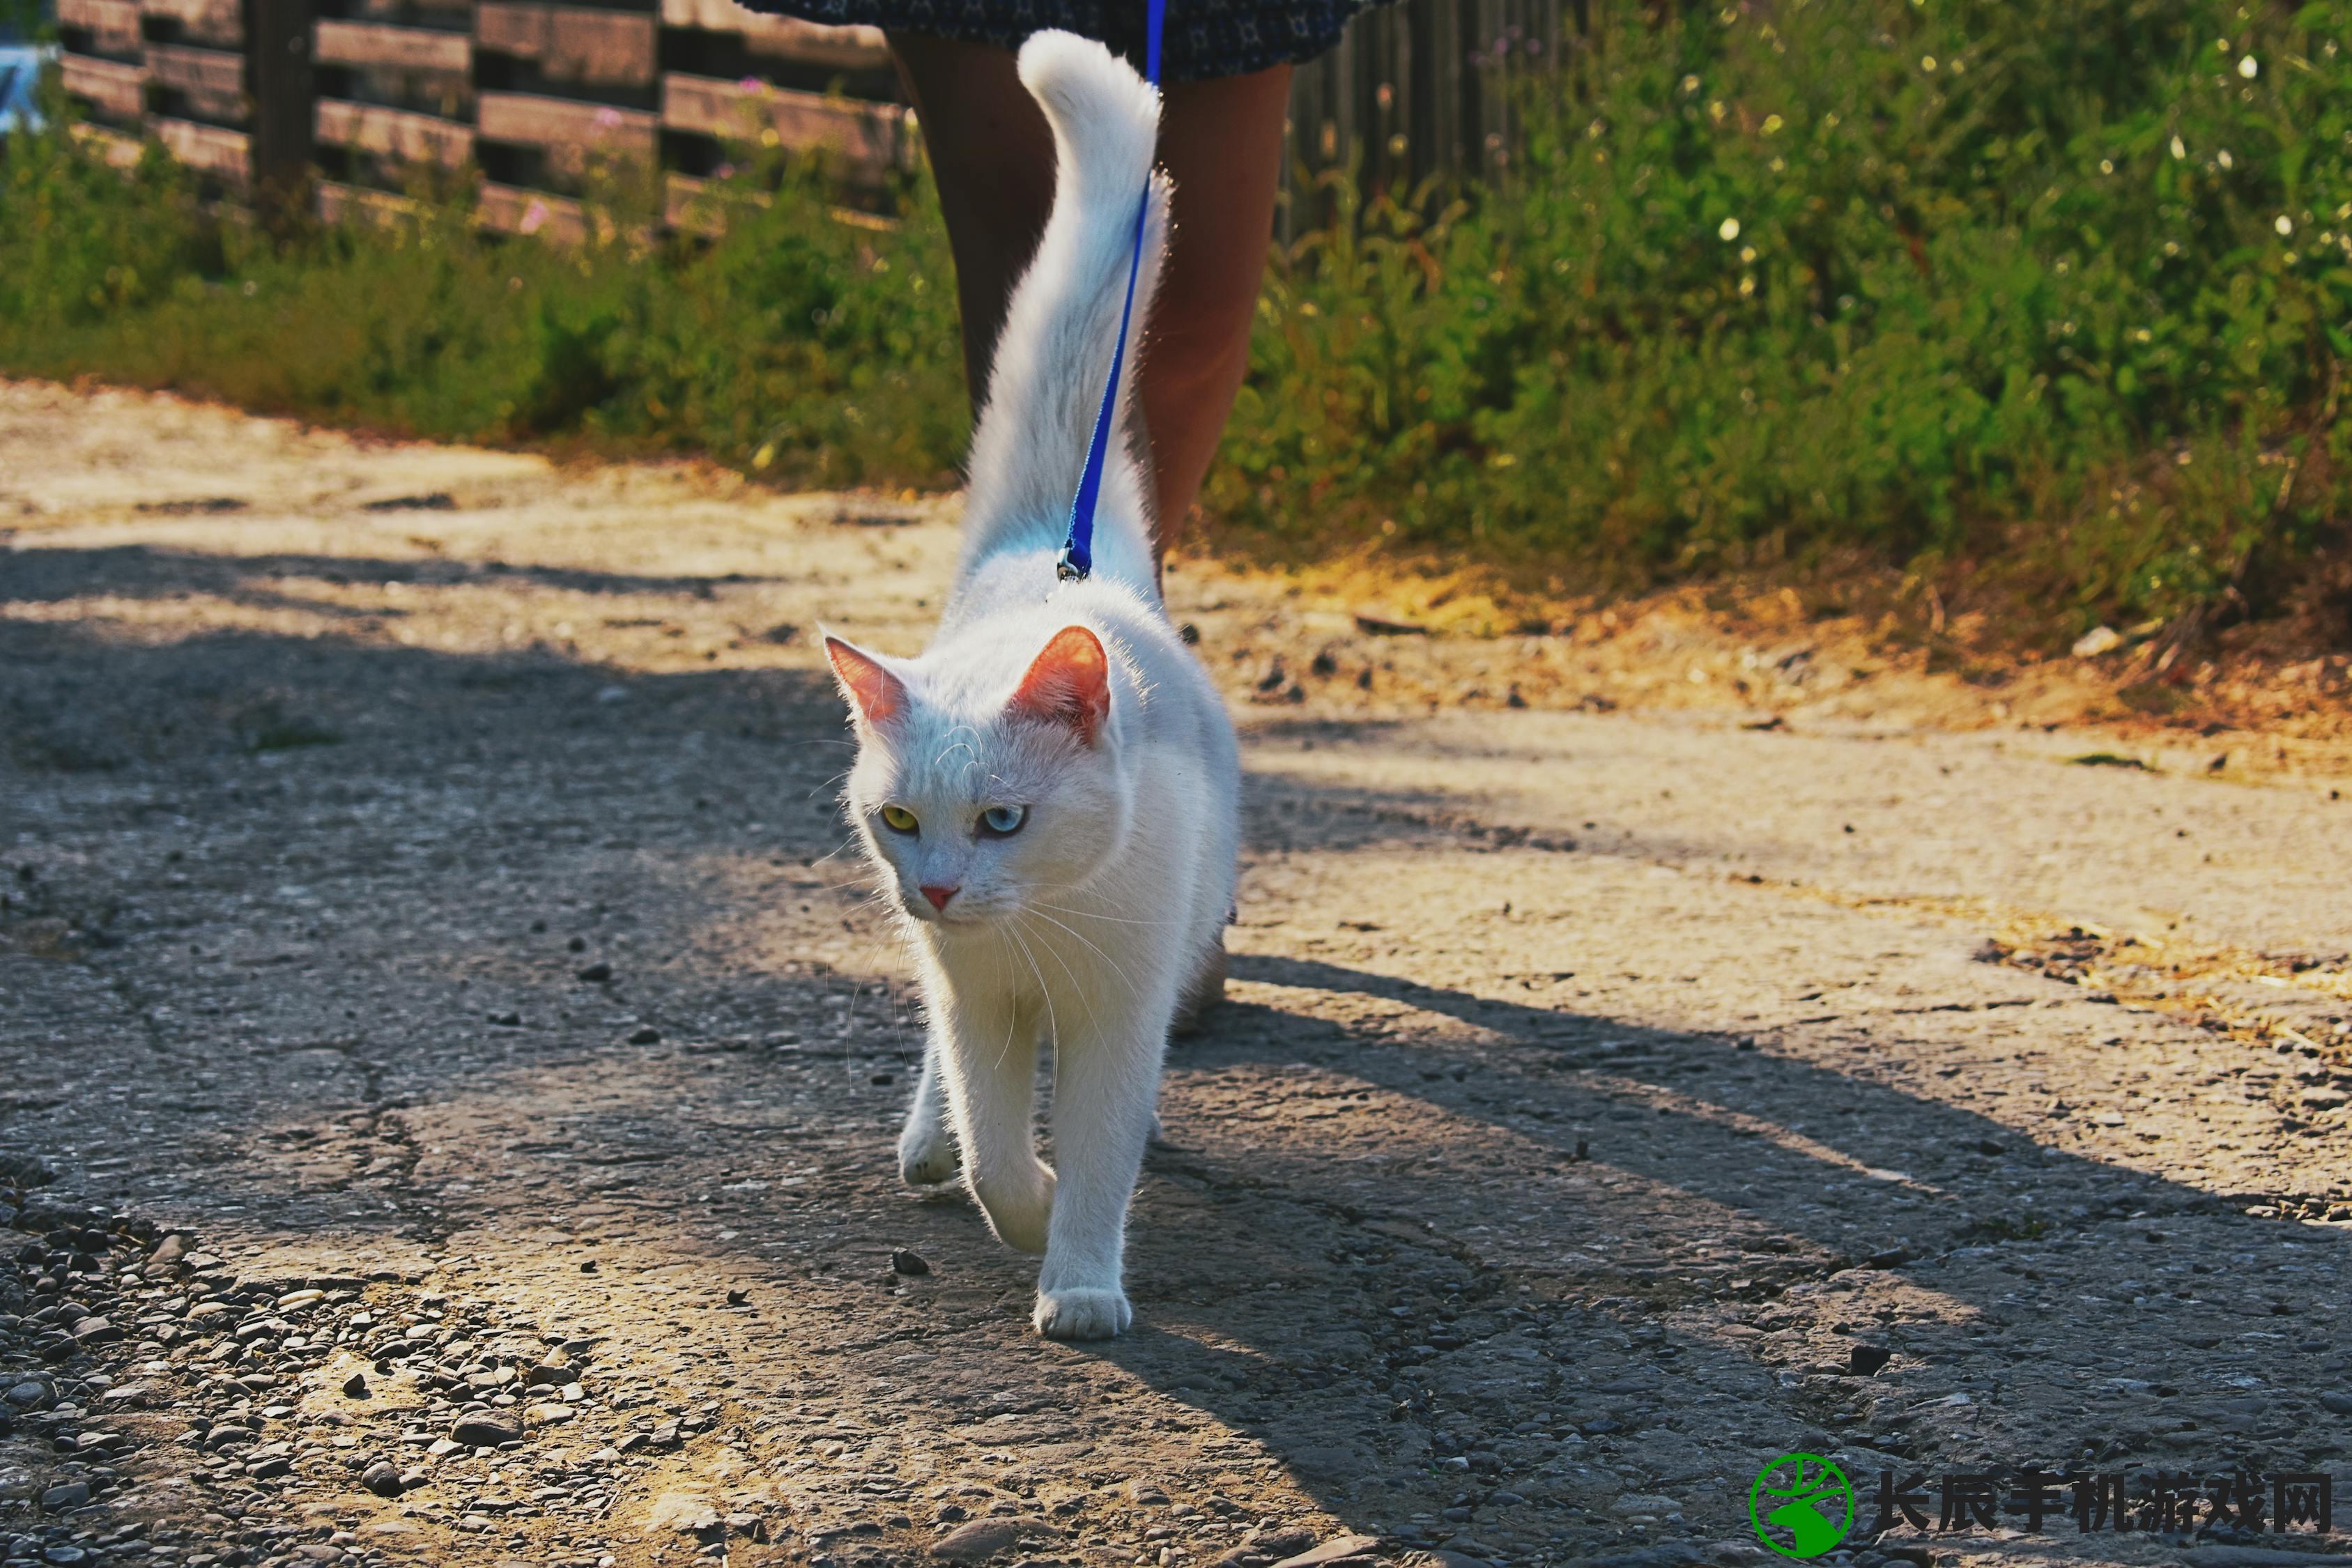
<point x="350" y="99"/>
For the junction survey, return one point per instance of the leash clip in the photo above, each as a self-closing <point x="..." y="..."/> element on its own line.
<point x="1076" y="559"/>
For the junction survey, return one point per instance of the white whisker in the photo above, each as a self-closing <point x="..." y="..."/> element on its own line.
<point x="1084" y="997"/>
<point x="1116" y="967"/>
<point x="1098" y="915"/>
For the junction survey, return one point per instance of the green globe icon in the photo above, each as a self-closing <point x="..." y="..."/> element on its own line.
<point x="1801" y="1505"/>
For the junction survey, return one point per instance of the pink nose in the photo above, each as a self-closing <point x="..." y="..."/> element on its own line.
<point x="939" y="896"/>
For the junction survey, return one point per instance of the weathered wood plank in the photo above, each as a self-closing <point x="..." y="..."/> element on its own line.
<point x="569" y="131"/>
<point x="511" y="210"/>
<point x="788" y="37"/>
<point x="194" y="70"/>
<point x="112" y="25"/>
<point x="694" y="206"/>
<point x="120" y="151"/>
<point x="338" y="203"/>
<point x="394" y="133"/>
<point x="869" y="140"/>
<point x="223" y="152"/>
<point x="220" y="23"/>
<point x="207" y="83"/>
<point x="399" y="49"/>
<point x="571" y="43"/>
<point x="111" y="87"/>
<point x="447" y="15"/>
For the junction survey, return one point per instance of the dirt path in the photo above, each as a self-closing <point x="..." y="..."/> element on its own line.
<point x="467" y="1070"/>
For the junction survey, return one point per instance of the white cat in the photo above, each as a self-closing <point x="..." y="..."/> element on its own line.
<point x="1051" y="790"/>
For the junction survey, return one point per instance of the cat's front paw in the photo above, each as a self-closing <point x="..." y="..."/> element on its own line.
<point x="926" y="1155"/>
<point x="1081" y="1314"/>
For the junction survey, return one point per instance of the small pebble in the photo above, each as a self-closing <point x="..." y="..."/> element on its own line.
<point x="482" y="1432"/>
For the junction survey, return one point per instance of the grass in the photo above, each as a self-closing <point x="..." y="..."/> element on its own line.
<point x="1938" y="283"/>
<point x="803" y="348"/>
<point x="2056" y="313"/>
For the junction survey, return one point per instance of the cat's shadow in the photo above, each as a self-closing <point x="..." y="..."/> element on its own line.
<point x="1346" y="1325"/>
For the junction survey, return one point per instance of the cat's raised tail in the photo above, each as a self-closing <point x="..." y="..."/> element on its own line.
<point x="1054" y="353"/>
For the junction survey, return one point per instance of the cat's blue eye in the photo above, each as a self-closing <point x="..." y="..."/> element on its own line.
<point x="999" y="821"/>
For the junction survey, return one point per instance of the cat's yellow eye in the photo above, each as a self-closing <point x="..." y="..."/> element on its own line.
<point x="899" y="820"/>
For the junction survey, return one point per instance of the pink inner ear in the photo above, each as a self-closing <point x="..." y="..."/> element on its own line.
<point x="1068" y="684"/>
<point x="878" y="695"/>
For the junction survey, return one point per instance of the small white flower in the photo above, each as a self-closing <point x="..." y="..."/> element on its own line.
<point x="2285" y="225"/>
<point x="2249" y="67"/>
<point x="2179" y="148"/>
<point x="1926" y="62"/>
<point x="2223" y="158"/>
<point x="1730" y="229"/>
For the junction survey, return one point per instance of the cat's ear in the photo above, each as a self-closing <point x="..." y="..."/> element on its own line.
<point x="876" y="695"/>
<point x="1068" y="685"/>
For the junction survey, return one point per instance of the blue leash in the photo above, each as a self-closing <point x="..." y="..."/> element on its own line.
<point x="1077" y="558"/>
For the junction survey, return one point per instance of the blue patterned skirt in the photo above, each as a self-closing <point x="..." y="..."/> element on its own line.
<point x="1204" y="37"/>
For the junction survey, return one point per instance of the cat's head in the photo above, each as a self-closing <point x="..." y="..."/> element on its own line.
<point x="982" y="789"/>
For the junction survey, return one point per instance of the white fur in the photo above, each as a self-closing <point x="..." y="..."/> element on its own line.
<point x="1087" y="927"/>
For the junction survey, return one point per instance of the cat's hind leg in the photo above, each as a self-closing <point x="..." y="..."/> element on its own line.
<point x="926" y="1151"/>
<point x="1205" y="990"/>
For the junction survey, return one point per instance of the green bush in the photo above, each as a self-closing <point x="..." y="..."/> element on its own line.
<point x="2055" y="296"/>
<point x="803" y="346"/>
<point x="2066" y="292"/>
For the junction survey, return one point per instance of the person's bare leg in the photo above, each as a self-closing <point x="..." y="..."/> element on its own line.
<point x="1221" y="140"/>
<point x="993" y="157"/>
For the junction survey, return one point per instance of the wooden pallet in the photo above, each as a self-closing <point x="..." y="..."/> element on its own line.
<point x="217" y="24"/>
<point x="391" y="47"/>
<point x="867" y="143"/>
<point x="783" y="37"/>
<point x="573" y="44"/>
<point x="208" y="84"/>
<point x="111" y="90"/>
<point x="535" y="93"/>
<point x="570" y="135"/>
<point x="511" y="210"/>
<point x="107" y="29"/>
<point x="400" y="135"/>
<point x="212" y="149"/>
